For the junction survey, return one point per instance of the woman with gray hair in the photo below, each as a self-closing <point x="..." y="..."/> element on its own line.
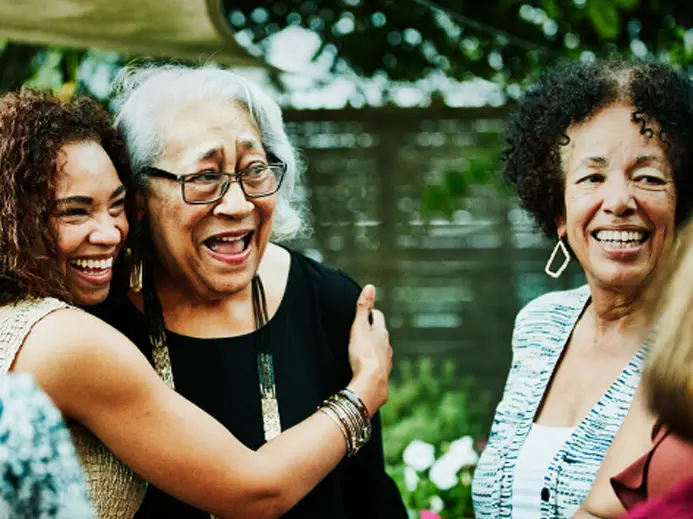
<point x="63" y="178"/>
<point x="253" y="333"/>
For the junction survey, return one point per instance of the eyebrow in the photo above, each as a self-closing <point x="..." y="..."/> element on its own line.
<point x="87" y="200"/>
<point x="596" y="161"/>
<point x="203" y="153"/>
<point x="642" y="159"/>
<point x="210" y="151"/>
<point x="250" y="143"/>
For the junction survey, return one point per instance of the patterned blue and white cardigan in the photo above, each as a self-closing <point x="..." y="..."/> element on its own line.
<point x="541" y="332"/>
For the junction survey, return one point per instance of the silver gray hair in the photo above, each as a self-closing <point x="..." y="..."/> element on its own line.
<point x="142" y="94"/>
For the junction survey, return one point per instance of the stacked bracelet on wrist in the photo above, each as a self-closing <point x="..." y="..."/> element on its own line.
<point x="351" y="416"/>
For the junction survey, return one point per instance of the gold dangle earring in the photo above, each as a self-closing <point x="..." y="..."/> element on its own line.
<point x="566" y="259"/>
<point x="135" y="270"/>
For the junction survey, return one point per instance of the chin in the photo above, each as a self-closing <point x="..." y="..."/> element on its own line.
<point x="86" y="300"/>
<point x="623" y="280"/>
<point x="239" y="281"/>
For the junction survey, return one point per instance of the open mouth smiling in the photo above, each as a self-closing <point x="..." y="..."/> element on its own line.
<point x="94" y="270"/>
<point x="621" y="239"/>
<point x="232" y="248"/>
<point x="230" y="244"/>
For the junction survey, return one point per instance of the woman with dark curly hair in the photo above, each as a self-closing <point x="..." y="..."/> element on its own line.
<point x="600" y="155"/>
<point x="63" y="172"/>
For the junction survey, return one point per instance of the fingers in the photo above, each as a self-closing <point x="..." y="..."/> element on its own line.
<point x="378" y="319"/>
<point x="366" y="301"/>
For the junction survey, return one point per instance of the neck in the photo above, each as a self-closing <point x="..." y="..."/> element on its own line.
<point x="179" y="299"/>
<point x="620" y="311"/>
<point x="189" y="312"/>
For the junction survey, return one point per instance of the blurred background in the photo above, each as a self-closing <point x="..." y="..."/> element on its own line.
<point x="398" y="109"/>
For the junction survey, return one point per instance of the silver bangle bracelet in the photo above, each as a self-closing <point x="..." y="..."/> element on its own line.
<point x="329" y="412"/>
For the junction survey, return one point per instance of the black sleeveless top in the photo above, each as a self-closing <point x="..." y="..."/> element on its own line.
<point x="308" y="337"/>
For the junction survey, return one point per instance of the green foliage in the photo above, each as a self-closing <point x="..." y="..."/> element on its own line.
<point x="408" y="40"/>
<point x="448" y="195"/>
<point x="504" y="41"/>
<point x="429" y="403"/>
<point x="48" y="74"/>
<point x="627" y="5"/>
<point x="606" y="18"/>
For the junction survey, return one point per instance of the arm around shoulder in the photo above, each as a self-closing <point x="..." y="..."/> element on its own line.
<point x="98" y="378"/>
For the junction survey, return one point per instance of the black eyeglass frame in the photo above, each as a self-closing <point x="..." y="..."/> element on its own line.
<point x="230" y="177"/>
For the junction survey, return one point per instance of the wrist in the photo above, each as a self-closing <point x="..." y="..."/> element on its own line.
<point x="364" y="388"/>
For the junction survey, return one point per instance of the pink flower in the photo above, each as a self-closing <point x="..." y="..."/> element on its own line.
<point x="427" y="514"/>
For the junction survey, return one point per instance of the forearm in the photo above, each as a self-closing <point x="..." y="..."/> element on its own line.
<point x="111" y="389"/>
<point x="299" y="458"/>
<point x="200" y="463"/>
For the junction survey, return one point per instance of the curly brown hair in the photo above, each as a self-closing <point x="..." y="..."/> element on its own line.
<point x="34" y="126"/>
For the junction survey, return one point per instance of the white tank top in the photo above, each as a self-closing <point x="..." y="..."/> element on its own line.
<point x="541" y="446"/>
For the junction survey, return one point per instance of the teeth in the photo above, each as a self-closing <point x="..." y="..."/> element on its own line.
<point x="231" y="238"/>
<point x="93" y="264"/>
<point x="620" y="236"/>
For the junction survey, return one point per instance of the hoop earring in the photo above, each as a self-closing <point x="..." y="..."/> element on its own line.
<point x="135" y="271"/>
<point x="559" y="246"/>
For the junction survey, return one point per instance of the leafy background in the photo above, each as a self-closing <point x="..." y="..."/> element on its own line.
<point x="383" y="45"/>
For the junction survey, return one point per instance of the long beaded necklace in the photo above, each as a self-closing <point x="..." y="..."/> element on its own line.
<point x="271" y="422"/>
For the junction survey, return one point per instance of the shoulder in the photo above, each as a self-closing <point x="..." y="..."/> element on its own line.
<point x="70" y="345"/>
<point x="329" y="284"/>
<point x="558" y="307"/>
<point x="27" y="312"/>
<point x="69" y="325"/>
<point x="72" y="339"/>
<point x="544" y="321"/>
<point x="17" y="320"/>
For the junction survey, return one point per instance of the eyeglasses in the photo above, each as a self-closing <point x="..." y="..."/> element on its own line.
<point x="209" y="186"/>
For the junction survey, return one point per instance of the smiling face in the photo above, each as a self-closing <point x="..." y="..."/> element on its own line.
<point x="211" y="250"/>
<point x="91" y="224"/>
<point x="620" y="199"/>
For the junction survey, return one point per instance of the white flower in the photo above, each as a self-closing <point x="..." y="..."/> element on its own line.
<point x="436" y="505"/>
<point x="411" y="478"/>
<point x="463" y="452"/>
<point x="419" y="455"/>
<point x="443" y="473"/>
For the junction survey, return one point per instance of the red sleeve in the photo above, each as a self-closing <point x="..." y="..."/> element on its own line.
<point x="678" y="503"/>
<point x="630" y="485"/>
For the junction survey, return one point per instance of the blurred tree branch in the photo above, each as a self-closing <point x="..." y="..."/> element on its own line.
<point x="503" y="40"/>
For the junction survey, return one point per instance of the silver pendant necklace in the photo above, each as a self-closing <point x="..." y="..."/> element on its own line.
<point x="271" y="421"/>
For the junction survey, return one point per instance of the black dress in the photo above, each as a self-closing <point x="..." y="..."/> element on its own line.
<point x="308" y="337"/>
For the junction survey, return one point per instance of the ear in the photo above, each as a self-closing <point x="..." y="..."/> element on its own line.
<point x="140" y="206"/>
<point x="561" y="226"/>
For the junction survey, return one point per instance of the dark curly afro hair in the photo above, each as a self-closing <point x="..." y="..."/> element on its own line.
<point x="572" y="93"/>
<point x="33" y="127"/>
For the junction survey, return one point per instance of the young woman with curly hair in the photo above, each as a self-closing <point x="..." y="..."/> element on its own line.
<point x="600" y="155"/>
<point x="63" y="188"/>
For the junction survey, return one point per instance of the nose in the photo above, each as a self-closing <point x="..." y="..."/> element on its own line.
<point x="618" y="196"/>
<point x="234" y="203"/>
<point x="108" y="232"/>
